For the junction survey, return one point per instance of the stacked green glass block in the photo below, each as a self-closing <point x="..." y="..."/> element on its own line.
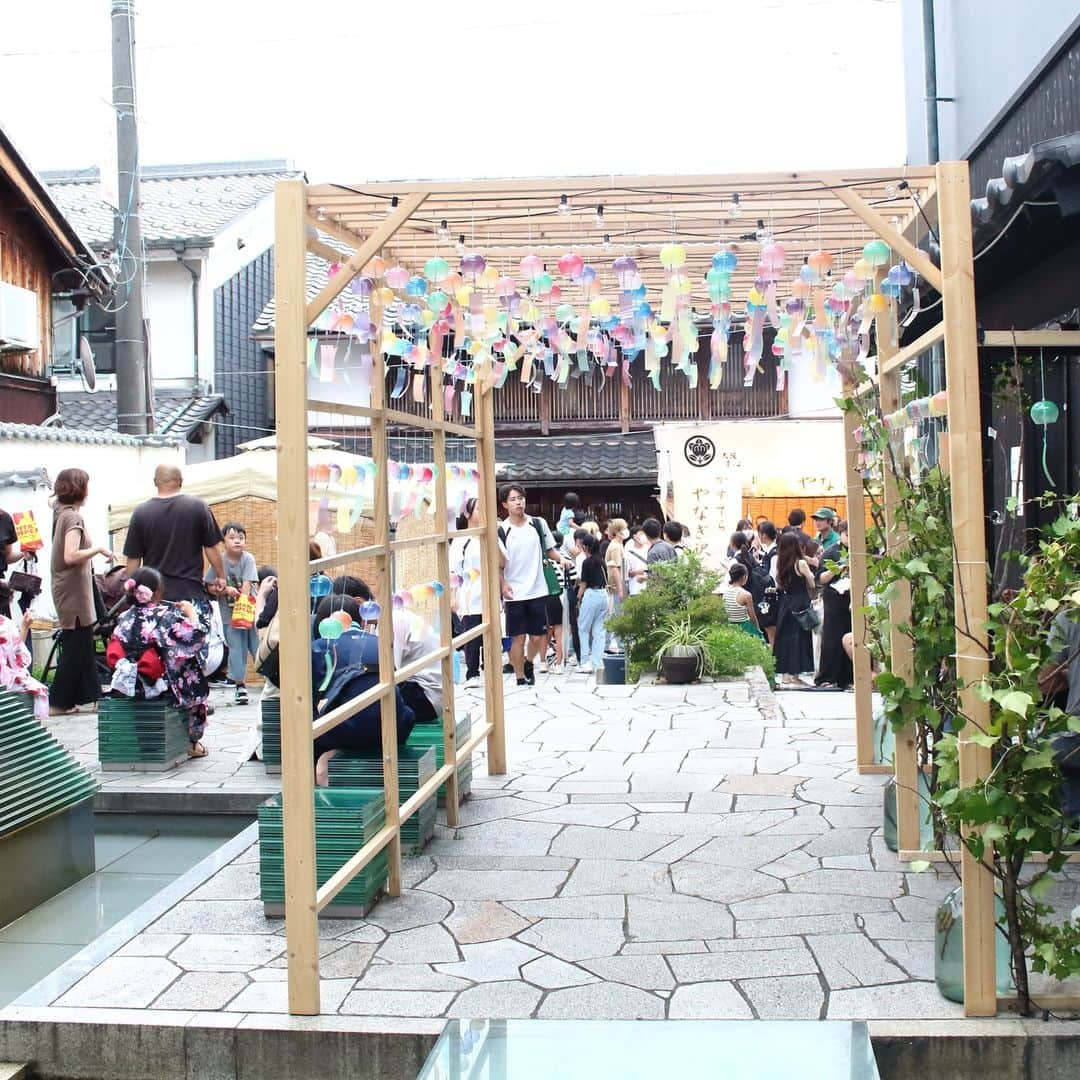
<point x="38" y="777"/>
<point x="271" y="734"/>
<point x="352" y="769"/>
<point x="345" y="820"/>
<point x="140" y="735"/>
<point x="432" y="735"/>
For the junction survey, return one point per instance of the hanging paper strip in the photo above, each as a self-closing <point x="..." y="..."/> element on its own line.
<point x="399" y="383"/>
<point x="326" y="363"/>
<point x="312" y="353"/>
<point x="564" y="371"/>
<point x="499" y="374"/>
<point x="652" y="362"/>
<point x="718" y="350"/>
<point x="466" y="404"/>
<point x="448" y="398"/>
<point x="526" y="362"/>
<point x="654" y="378"/>
<point x="418" y="386"/>
<point x="626" y="372"/>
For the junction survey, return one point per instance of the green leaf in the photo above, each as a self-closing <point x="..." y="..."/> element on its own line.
<point x="995" y="831"/>
<point x="983" y="690"/>
<point x="916" y="566"/>
<point x="1024" y="835"/>
<point x="1016" y="701"/>
<point x="1041" y="887"/>
<point x="1043" y="759"/>
<point x="934" y="588"/>
<point x="982" y="738"/>
<point x="919" y="866"/>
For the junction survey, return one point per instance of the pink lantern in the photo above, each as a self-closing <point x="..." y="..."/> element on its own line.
<point x="397" y="277"/>
<point x="530" y="266"/>
<point x="571" y="265"/>
<point x="505" y="287"/>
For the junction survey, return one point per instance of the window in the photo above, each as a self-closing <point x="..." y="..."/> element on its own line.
<point x="99" y="328"/>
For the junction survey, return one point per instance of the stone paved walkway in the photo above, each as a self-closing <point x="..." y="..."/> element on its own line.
<point x="230" y="738"/>
<point x="654" y="852"/>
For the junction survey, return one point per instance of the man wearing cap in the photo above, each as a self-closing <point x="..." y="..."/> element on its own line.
<point x="824" y="519"/>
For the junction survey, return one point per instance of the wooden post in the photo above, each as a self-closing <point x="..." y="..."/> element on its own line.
<point x="857" y="561"/>
<point x="297" y="774"/>
<point x="901" y="652"/>
<point x="442" y="573"/>
<point x="968" y="523"/>
<point x="384" y="563"/>
<point x="489" y="509"/>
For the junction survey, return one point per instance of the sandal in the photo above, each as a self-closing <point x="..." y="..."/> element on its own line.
<point x="197" y="750"/>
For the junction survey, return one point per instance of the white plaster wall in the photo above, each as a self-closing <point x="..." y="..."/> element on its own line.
<point x="168" y="302"/>
<point x="753" y="457"/>
<point x="115" y="472"/>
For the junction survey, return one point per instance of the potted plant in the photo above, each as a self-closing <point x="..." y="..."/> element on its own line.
<point x="681" y="653"/>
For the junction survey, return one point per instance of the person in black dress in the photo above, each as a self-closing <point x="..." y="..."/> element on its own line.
<point x="835" y="669"/>
<point x="793" y="647"/>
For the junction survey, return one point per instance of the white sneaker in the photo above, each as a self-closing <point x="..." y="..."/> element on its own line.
<point x="543" y="668"/>
<point x="472" y="682"/>
<point x="584" y="669"/>
<point x="555" y="669"/>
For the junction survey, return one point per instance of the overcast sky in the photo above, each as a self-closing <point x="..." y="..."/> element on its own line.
<point x="355" y="90"/>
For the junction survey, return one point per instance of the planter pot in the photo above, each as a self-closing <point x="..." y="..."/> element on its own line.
<point x="614" y="669"/>
<point x="949" y="948"/>
<point x="681" y="664"/>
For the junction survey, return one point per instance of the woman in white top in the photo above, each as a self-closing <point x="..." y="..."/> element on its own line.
<point x="636" y="550"/>
<point x="468" y="597"/>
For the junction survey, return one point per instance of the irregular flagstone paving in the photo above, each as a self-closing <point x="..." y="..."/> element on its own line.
<point x="655" y="851"/>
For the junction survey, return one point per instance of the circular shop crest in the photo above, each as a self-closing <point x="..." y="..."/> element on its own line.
<point x="699" y="451"/>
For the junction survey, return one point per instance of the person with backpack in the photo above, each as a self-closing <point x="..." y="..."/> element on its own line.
<point x="526" y="580"/>
<point x="469" y="595"/>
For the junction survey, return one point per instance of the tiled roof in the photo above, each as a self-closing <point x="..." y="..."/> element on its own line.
<point x="25" y="478"/>
<point x="176" y="414"/>
<point x="179" y="202"/>
<point x="629" y="458"/>
<point x="40" y="433"/>
<point x="1022" y="175"/>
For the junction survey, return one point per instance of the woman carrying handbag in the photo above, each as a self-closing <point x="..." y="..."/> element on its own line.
<point x="796" y="618"/>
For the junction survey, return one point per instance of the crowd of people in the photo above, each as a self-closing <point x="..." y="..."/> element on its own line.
<point x="792" y="589"/>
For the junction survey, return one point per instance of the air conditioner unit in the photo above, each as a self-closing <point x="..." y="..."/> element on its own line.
<point x="19" y="327"/>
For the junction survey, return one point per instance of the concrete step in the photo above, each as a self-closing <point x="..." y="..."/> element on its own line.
<point x="10" y="1071"/>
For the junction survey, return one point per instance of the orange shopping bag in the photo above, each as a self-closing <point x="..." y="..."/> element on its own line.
<point x="243" y="613"/>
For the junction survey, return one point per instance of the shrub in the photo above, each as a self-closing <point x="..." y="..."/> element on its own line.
<point x="679" y="585"/>
<point x="731" y="651"/>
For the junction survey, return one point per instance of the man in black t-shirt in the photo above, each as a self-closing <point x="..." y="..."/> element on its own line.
<point x="172" y="533"/>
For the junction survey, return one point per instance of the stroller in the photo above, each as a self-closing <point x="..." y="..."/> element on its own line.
<point x="109" y="600"/>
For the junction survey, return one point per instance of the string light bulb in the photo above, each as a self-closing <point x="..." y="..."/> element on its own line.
<point x="444" y="231"/>
<point x="392" y="205"/>
<point x="599" y="217"/>
<point x="607" y="242"/>
<point x="461" y="243"/>
<point x="320" y="214"/>
<point x="564" y="205"/>
<point x="736" y="207"/>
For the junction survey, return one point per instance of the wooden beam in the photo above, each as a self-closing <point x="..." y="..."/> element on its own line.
<point x="324" y="251"/>
<point x="330" y="226"/>
<point x="911" y="351"/>
<point x="297" y="778"/>
<point x="916" y="259"/>
<point x="968" y="517"/>
<point x="442" y="559"/>
<point x="360" y="258"/>
<point x="490" y="586"/>
<point x="918" y="175"/>
<point x="385" y="564"/>
<point x="857" y="561"/>
<point x="901" y="659"/>
<point x="344" y="874"/>
<point x="394" y="416"/>
<point x="1031" y="339"/>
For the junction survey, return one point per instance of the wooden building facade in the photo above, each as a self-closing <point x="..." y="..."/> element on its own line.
<point x="40" y="255"/>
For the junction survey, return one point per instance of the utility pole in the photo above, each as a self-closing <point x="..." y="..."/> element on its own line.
<point x="133" y="408"/>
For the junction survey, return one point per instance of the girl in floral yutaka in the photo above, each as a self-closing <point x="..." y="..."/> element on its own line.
<point x="155" y="650"/>
<point x="15" y="659"/>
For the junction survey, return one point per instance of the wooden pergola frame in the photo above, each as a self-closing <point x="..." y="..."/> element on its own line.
<point x="506" y="219"/>
<point x="294" y="315"/>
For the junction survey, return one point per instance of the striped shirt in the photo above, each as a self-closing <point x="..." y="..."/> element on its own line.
<point x="736" y="613"/>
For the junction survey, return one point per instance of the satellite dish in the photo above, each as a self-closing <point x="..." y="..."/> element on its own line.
<point x="85" y="364"/>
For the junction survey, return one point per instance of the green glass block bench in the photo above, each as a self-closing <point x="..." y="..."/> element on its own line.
<point x="46" y="812"/>
<point x="358" y="769"/>
<point x="141" y="736"/>
<point x="271" y="734"/>
<point x="432" y="735"/>
<point x="345" y="820"/>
